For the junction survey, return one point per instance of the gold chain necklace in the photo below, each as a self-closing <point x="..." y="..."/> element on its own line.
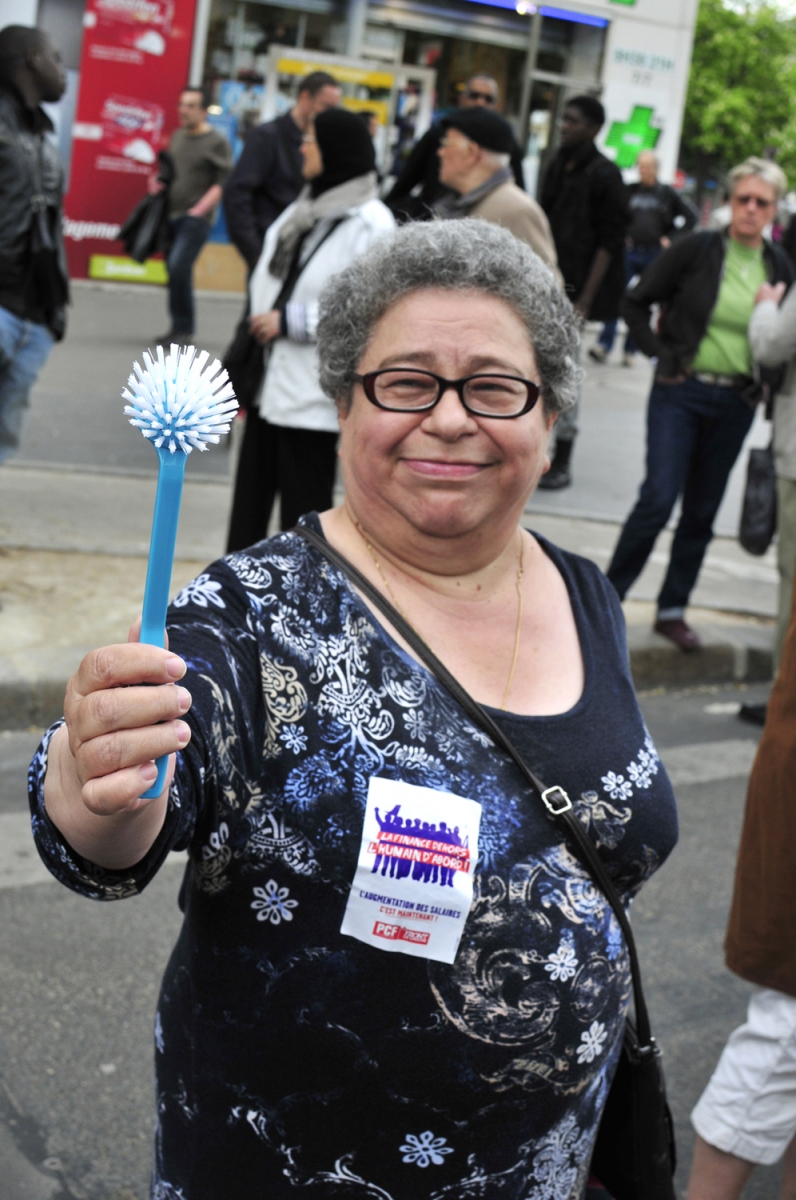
<point x="518" y="584"/>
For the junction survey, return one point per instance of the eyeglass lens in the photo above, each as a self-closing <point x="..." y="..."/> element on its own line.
<point x="492" y="395"/>
<point x="485" y="96"/>
<point x="759" y="201"/>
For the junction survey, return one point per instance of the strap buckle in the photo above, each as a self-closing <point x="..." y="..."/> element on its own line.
<point x="556" y="800"/>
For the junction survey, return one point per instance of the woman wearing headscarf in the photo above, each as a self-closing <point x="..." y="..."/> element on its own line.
<point x="290" y="444"/>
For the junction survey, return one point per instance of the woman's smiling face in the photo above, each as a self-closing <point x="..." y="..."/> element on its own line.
<point x="444" y="471"/>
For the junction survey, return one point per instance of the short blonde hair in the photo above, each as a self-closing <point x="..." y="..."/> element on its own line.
<point x="764" y="169"/>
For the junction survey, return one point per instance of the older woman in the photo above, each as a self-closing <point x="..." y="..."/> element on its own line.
<point x="705" y="390"/>
<point x="342" y="1015"/>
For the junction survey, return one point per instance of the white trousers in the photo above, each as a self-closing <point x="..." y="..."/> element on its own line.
<point x="749" y="1107"/>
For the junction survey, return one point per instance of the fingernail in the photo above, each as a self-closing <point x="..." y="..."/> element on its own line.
<point x="183" y="733"/>
<point x="185" y="698"/>
<point x="148" y="772"/>
<point x="175" y="667"/>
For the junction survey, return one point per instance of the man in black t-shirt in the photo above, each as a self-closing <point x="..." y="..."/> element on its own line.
<point x="585" y="199"/>
<point x="656" y="212"/>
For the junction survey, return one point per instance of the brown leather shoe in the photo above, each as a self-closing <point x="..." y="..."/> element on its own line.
<point x="678" y="632"/>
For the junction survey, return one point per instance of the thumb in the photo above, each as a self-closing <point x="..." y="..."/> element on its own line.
<point x="135" y="633"/>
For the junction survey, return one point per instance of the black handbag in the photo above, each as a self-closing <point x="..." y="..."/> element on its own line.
<point x="146" y="230"/>
<point x="634" y="1155"/>
<point x="244" y="362"/>
<point x="759" y="512"/>
<point x="246" y="358"/>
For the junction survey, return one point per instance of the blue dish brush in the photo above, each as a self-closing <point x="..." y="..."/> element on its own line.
<point x="179" y="406"/>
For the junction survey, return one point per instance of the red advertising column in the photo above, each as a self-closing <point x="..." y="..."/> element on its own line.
<point x="136" y="58"/>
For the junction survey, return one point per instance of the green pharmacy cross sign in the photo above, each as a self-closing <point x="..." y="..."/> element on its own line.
<point x="629" y="138"/>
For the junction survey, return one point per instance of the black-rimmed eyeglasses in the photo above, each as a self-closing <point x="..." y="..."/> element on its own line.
<point x="402" y="389"/>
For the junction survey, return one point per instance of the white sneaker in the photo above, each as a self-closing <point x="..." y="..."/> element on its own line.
<point x="598" y="353"/>
<point x="627" y="360"/>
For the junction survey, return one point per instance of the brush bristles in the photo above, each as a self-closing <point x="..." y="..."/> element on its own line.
<point x="176" y="403"/>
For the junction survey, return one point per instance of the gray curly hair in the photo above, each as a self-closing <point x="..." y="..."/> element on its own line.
<point x="466" y="255"/>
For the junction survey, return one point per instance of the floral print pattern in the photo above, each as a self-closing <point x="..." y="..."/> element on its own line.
<point x="591" y="1042"/>
<point x="563" y="964"/>
<point x="304" y="1060"/>
<point x="425" y="1149"/>
<point x="200" y="591"/>
<point x="273" y="904"/>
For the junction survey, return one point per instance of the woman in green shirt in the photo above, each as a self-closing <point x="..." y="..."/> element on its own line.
<point x="704" y="393"/>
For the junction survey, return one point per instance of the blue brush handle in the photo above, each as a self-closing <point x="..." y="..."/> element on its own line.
<point x="161" y="560"/>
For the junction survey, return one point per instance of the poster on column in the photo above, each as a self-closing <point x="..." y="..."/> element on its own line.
<point x="136" y="58"/>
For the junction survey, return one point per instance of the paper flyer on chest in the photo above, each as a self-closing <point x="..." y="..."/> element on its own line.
<point x="413" y="885"/>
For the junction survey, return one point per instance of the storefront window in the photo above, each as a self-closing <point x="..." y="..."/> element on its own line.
<point x="457" y="59"/>
<point x="569" y="48"/>
<point x="241" y="32"/>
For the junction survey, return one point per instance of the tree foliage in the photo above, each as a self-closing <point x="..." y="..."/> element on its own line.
<point x="742" y="89"/>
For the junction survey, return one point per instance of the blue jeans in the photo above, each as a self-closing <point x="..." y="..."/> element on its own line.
<point x="24" y="349"/>
<point x="190" y="234"/>
<point x="694" y="435"/>
<point x="636" y="262"/>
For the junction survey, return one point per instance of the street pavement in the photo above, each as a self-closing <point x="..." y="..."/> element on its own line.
<point x="78" y="981"/>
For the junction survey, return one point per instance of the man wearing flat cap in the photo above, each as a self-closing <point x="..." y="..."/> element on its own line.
<point x="474" y="155"/>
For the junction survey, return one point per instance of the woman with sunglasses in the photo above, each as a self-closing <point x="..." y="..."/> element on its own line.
<point x="706" y="384"/>
<point x="394" y="978"/>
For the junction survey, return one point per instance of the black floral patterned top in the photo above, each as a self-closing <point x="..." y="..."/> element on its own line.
<point x="295" y="1060"/>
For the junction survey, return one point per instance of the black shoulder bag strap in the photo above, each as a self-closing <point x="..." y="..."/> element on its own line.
<point x="297" y="265"/>
<point x="642" y="1178"/>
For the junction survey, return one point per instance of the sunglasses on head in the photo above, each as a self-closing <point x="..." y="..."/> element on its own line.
<point x="759" y="201"/>
<point x="487" y="97"/>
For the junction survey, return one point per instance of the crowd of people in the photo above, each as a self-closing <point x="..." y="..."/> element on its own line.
<point x="426" y="341"/>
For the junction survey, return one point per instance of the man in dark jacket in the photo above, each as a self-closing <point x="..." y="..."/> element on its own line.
<point x="657" y="213"/>
<point x="422" y="165"/>
<point x="585" y="199"/>
<point x="267" y="176"/>
<point x="706" y="384"/>
<point x="34" y="285"/>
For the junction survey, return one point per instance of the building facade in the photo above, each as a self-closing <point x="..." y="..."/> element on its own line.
<point x="128" y="60"/>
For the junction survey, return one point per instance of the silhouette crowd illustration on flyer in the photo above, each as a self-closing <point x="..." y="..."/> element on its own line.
<point x="431" y="853"/>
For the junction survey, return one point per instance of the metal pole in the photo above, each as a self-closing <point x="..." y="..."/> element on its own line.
<point x="355" y="30"/>
<point x="200" y="28"/>
<point x="534" y="35"/>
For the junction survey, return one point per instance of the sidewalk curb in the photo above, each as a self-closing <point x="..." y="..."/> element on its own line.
<point x="746" y="657"/>
<point x="729" y="654"/>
